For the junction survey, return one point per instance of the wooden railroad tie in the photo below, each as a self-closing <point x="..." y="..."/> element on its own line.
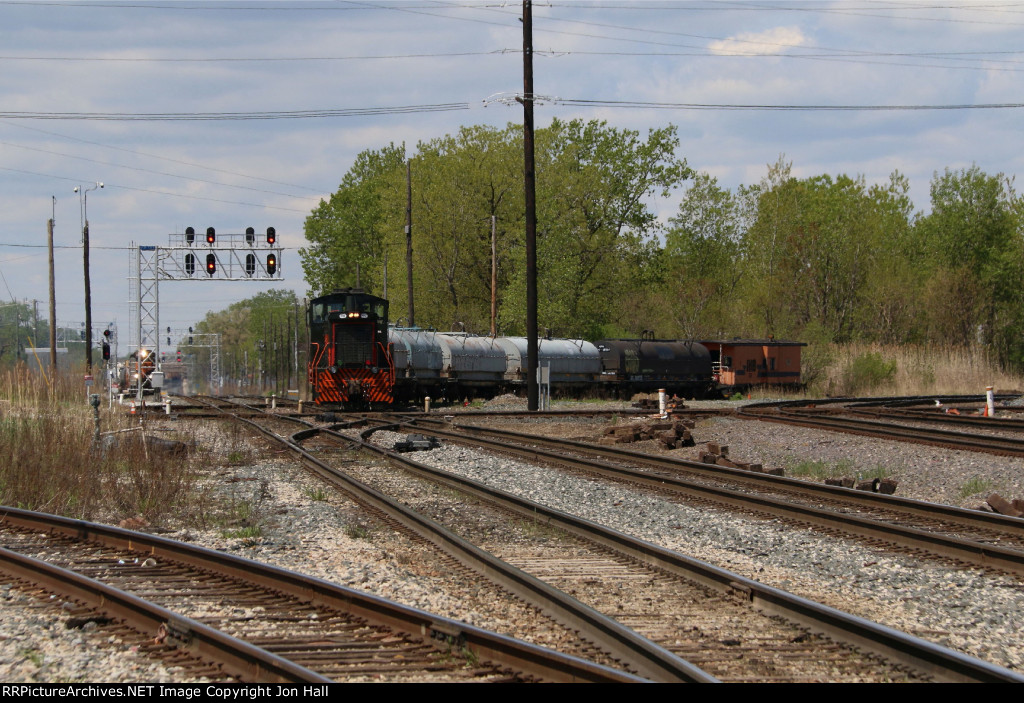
<point x="672" y="434"/>
<point x="718" y="454"/>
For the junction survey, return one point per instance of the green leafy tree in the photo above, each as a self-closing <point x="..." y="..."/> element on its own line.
<point x="971" y="246"/>
<point x="348" y="233"/>
<point x="459" y="183"/>
<point x="702" y="260"/>
<point x="259" y="337"/>
<point x="594" y="221"/>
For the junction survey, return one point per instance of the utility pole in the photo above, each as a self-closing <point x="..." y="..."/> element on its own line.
<point x="84" y="198"/>
<point x="53" y="300"/>
<point x="494" y="275"/>
<point x="408" y="239"/>
<point x="530" y="192"/>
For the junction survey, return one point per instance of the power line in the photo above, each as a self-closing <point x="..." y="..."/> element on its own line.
<point x="156" y="192"/>
<point x="260" y="59"/>
<point x="146" y="170"/>
<point x="801" y="108"/>
<point x="162" y="158"/>
<point x="223" y="116"/>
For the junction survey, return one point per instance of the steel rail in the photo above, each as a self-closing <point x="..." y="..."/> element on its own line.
<point x="941" y="418"/>
<point x="975" y="552"/>
<point x="418" y="624"/>
<point x="908" y="507"/>
<point x="239" y="659"/>
<point x="886" y="430"/>
<point x="650" y="660"/>
<point x="940" y="662"/>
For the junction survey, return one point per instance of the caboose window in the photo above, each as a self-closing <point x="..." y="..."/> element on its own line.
<point x="353" y="345"/>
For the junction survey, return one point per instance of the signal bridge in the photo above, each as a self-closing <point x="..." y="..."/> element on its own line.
<point x="190" y="256"/>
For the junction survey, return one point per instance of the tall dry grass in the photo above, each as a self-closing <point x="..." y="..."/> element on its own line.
<point x="913" y="370"/>
<point x="50" y="462"/>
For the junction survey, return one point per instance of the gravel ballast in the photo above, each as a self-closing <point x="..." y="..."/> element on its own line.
<point x="304" y="530"/>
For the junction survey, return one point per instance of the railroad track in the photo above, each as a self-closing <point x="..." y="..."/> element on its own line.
<point x="939" y="417"/>
<point x="968" y="537"/>
<point x="948" y="439"/>
<point x="598" y="632"/>
<point x="256" y="622"/>
<point x="790" y="645"/>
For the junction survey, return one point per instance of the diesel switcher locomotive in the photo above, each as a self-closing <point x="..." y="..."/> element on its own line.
<point x="350" y="362"/>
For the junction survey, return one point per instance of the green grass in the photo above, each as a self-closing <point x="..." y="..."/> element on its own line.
<point x="976" y="485"/>
<point x="819" y="470"/>
<point x="249" y="532"/>
<point x="318" y="494"/>
<point x="357" y="531"/>
<point x="878" y="472"/>
<point x="33" y="655"/>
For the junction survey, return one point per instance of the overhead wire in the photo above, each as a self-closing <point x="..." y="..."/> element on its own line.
<point x="136" y="152"/>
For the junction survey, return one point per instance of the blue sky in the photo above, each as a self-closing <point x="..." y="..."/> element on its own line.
<point x="198" y="58"/>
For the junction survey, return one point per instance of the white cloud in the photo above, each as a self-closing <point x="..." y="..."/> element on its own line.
<point x="771" y="41"/>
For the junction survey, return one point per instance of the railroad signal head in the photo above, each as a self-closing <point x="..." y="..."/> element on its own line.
<point x="211" y="264"/>
<point x="250" y="236"/>
<point x="106" y="352"/>
<point x="271" y="264"/>
<point x="250" y="264"/>
<point x="190" y="235"/>
<point x="211" y="235"/>
<point x="271" y="236"/>
<point x="106" y="333"/>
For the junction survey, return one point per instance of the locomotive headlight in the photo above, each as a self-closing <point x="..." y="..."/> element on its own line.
<point x="374" y="369"/>
<point x="364" y="316"/>
<point x="333" y="369"/>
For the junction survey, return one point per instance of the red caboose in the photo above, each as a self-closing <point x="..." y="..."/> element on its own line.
<point x="741" y="364"/>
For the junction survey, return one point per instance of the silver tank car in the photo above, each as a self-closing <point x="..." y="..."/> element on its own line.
<point x="416" y="353"/>
<point x="470" y="360"/>
<point x="573" y="362"/>
<point x="445" y="364"/>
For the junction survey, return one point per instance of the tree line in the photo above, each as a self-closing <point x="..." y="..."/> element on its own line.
<point x="823" y="259"/>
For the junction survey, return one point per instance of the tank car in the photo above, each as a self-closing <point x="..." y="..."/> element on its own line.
<point x="446" y="364"/>
<point x="350" y="361"/>
<point x="646" y="365"/>
<point x="575" y="364"/>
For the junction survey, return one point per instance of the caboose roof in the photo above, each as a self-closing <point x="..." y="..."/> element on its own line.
<point x="737" y="342"/>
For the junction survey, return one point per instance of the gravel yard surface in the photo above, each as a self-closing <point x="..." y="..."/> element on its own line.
<point x="305" y="527"/>
<point x="37" y="647"/>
